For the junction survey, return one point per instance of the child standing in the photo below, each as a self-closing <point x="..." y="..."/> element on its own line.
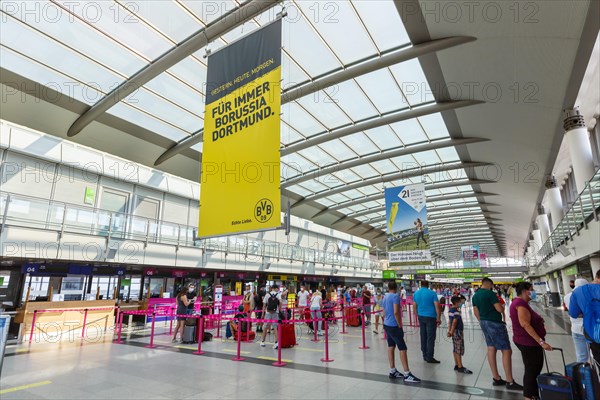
<point x="455" y="331"/>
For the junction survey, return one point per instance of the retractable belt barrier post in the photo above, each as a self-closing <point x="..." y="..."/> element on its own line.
<point x="117" y="317"/>
<point x="151" y="345"/>
<point x="278" y="363"/>
<point x="171" y="326"/>
<point x="326" y="358"/>
<point x="120" y="327"/>
<point x="343" y="320"/>
<point x="32" y="325"/>
<point x="201" y="338"/>
<point x="238" y="357"/>
<point x="84" y="322"/>
<point x="314" y="322"/>
<point x="218" y="336"/>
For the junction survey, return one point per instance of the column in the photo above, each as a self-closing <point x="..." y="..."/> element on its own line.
<point x="537" y="238"/>
<point x="553" y="284"/>
<point x="543" y="224"/>
<point x="580" y="148"/>
<point x="595" y="262"/>
<point x="565" y="281"/>
<point x="554" y="201"/>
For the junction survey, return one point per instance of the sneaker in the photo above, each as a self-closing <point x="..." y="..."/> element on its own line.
<point x="275" y="346"/>
<point x="174" y="341"/>
<point x="320" y="333"/>
<point x="375" y="332"/>
<point x="262" y="344"/>
<point x="396" y="374"/>
<point x="410" y="378"/>
<point x="432" y="361"/>
<point x="499" y="382"/>
<point x="456" y="367"/>
<point x="513" y="386"/>
<point x="463" y="370"/>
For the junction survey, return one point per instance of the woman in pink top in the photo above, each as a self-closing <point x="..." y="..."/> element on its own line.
<point x="528" y="335"/>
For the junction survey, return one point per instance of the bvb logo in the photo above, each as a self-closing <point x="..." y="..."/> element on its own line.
<point x="263" y="211"/>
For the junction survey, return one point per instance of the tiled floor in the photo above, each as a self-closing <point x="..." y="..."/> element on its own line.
<point x="101" y="369"/>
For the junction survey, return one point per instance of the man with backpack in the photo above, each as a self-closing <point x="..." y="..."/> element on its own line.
<point x="585" y="301"/>
<point x="271" y="305"/>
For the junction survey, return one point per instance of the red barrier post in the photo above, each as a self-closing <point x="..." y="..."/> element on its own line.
<point x="117" y="317"/>
<point x="120" y="328"/>
<point x="278" y="363"/>
<point x="32" y="325"/>
<point x="364" y="345"/>
<point x="343" y="321"/>
<point x="199" y="351"/>
<point x="151" y="345"/>
<point x="239" y="342"/>
<point x="314" y="322"/>
<point x="326" y="359"/>
<point x="84" y="322"/>
<point x="171" y="327"/>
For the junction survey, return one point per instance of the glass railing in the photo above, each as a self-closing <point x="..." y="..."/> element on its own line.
<point x="32" y="212"/>
<point x="584" y="209"/>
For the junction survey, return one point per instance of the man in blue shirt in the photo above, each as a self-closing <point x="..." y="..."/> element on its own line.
<point x="582" y="303"/>
<point x="429" y="313"/>
<point x="392" y="325"/>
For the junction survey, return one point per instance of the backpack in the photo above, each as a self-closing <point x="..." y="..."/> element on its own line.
<point x="272" y="302"/>
<point x="591" y="317"/>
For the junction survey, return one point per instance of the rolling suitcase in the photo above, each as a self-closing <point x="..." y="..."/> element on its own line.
<point x="189" y="334"/>
<point x="352" y="317"/>
<point x="585" y="377"/>
<point x="554" y="385"/>
<point x="288" y="335"/>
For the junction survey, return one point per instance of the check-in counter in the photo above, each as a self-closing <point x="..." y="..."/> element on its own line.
<point x="55" y="319"/>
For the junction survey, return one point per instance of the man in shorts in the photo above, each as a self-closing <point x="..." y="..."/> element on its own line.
<point x="489" y="313"/>
<point x="271" y="306"/>
<point x="392" y="325"/>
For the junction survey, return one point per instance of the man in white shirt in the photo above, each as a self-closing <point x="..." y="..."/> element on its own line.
<point x="581" y="350"/>
<point x="302" y="297"/>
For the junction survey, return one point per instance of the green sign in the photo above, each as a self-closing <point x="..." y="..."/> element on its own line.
<point x="389" y="274"/>
<point x="468" y="280"/>
<point x="447" y="271"/>
<point x="90" y="196"/>
<point x="1" y="281"/>
<point x="572" y="270"/>
<point x="359" y="247"/>
<point x="203" y="282"/>
<point x="555" y="274"/>
<point x="125" y="282"/>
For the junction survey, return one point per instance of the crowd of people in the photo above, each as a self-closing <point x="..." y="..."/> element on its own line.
<point x="489" y="303"/>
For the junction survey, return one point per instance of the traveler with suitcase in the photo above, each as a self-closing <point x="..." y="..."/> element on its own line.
<point x="182" y="304"/>
<point x="316" y="303"/>
<point x="528" y="335"/>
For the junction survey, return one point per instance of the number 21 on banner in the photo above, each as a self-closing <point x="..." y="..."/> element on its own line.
<point x="405" y="193"/>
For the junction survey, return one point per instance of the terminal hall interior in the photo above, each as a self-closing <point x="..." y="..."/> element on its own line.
<point x="358" y="199"/>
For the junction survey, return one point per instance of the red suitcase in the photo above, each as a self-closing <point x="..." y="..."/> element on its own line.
<point x="288" y="335"/>
<point x="352" y="317"/>
<point x="246" y="336"/>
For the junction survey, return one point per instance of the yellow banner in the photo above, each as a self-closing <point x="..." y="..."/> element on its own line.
<point x="240" y="177"/>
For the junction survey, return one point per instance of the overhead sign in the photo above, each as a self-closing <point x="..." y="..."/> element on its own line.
<point x="446" y="271"/>
<point x="470" y="256"/>
<point x="407" y="230"/>
<point x="572" y="270"/>
<point x="240" y="176"/>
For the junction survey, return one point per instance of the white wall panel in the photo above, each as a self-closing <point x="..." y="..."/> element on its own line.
<point x="153" y="178"/>
<point x="82" y="248"/>
<point x="35" y="143"/>
<point x="82" y="157"/>
<point x="4" y="135"/>
<point x="71" y="184"/>
<point x="28" y="243"/>
<point x="189" y="257"/>
<point x="157" y="254"/>
<point x="28" y="176"/>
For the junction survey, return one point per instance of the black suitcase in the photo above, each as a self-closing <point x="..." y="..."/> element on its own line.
<point x="554" y="385"/>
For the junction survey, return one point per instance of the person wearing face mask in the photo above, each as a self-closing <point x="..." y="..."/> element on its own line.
<point x="182" y="304"/>
<point x="528" y="334"/>
<point x="378" y="300"/>
<point x="192" y="296"/>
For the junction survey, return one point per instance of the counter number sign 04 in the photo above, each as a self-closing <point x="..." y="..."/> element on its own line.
<point x="263" y="211"/>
